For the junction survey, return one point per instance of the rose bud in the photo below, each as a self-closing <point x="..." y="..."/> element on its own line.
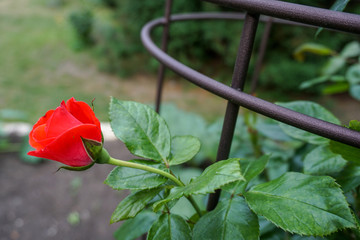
<point x="60" y="134"/>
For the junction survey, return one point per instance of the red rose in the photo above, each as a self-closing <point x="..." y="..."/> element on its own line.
<point x="57" y="135"/>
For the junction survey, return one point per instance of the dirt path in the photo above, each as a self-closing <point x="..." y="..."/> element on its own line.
<point x="36" y="202"/>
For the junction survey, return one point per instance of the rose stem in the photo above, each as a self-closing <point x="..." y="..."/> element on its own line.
<point x="123" y="163"/>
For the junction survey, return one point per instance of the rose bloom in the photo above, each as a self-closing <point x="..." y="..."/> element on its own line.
<point x="57" y="135"/>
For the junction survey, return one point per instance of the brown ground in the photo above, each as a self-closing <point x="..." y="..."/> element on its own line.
<point x="36" y="202"/>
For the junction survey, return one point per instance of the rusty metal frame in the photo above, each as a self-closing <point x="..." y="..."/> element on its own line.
<point x="256" y="11"/>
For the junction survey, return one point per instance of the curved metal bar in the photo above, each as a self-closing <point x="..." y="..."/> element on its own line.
<point x="225" y="16"/>
<point x="302" y="121"/>
<point x="299" y="13"/>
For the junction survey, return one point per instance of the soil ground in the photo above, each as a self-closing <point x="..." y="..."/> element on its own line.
<point x="37" y="203"/>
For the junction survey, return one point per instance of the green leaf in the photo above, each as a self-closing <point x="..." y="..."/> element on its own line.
<point x="183" y="149"/>
<point x="276" y="167"/>
<point x="351" y="49"/>
<point x="214" y="177"/>
<point x="250" y="169"/>
<point x="333" y="65"/>
<point x="231" y="219"/>
<point x="190" y="124"/>
<point x="337" y="78"/>
<point x="135" y="227"/>
<point x="186" y="174"/>
<point x="136" y="179"/>
<point x="142" y="130"/>
<point x="130" y="206"/>
<point x="322" y="161"/>
<point x="354" y="125"/>
<point x="321" y="79"/>
<point x="349" y="178"/>
<point x="170" y="227"/>
<point x="255" y="167"/>
<point x="297" y="237"/>
<point x="349" y="153"/>
<point x="314" y="48"/>
<point x="272" y="131"/>
<point x="335" y="88"/>
<point x="353" y="74"/>
<point x="183" y="207"/>
<point x="266" y="227"/>
<point x="339" y="6"/>
<point x="355" y="91"/>
<point x="310" y="109"/>
<point x="302" y="204"/>
<point x="312" y="82"/>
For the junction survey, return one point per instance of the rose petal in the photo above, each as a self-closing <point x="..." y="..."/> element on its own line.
<point x="38" y="139"/>
<point x="41" y="121"/>
<point x="68" y="147"/>
<point x="44" y="118"/>
<point x="82" y="111"/>
<point x="60" y="122"/>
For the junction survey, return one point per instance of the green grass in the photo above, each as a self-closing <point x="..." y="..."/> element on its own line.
<point x="38" y="68"/>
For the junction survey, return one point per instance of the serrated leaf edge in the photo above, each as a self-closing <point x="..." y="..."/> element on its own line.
<point x="320" y="235"/>
<point x="120" y="103"/>
<point x="120" y="219"/>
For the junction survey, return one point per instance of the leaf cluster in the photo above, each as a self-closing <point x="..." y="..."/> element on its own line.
<point x="256" y="200"/>
<point x="341" y="72"/>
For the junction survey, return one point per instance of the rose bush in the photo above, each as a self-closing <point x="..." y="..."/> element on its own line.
<point x="57" y="135"/>
<point x="297" y="202"/>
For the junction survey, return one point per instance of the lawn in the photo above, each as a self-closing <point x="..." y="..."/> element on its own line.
<point x="39" y="67"/>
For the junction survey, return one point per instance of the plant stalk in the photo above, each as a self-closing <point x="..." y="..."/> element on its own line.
<point x="123" y="163"/>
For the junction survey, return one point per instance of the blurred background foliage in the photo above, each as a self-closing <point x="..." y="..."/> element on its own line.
<point x="209" y="46"/>
<point x="57" y="49"/>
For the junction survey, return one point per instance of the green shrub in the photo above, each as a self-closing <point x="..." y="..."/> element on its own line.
<point x="82" y="24"/>
<point x="208" y="46"/>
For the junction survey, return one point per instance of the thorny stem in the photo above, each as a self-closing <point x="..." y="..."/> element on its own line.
<point x="123" y="163"/>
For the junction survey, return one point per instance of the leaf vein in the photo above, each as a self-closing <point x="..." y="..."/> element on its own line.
<point x="305" y="203"/>
<point x="143" y="130"/>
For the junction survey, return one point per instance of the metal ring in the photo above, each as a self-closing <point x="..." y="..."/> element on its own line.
<point x="299" y="120"/>
<point x="299" y="13"/>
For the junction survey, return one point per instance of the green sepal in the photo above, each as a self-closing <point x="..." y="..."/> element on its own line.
<point x="96" y="151"/>
<point x="92" y="147"/>
<point x="76" y="168"/>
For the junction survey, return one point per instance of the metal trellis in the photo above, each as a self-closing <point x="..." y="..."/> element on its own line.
<point x="271" y="12"/>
